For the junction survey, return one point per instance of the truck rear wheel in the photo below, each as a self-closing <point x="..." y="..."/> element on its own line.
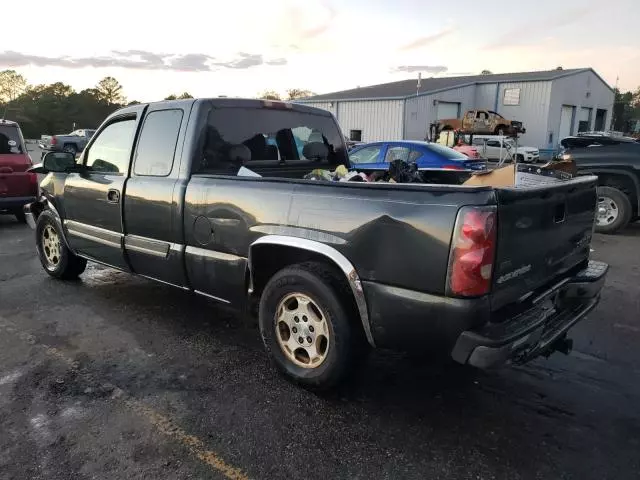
<point x="56" y="258"/>
<point x="613" y="211"/>
<point x="306" y="328"/>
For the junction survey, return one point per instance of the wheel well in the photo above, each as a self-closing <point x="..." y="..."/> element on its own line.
<point x="622" y="183"/>
<point x="267" y="260"/>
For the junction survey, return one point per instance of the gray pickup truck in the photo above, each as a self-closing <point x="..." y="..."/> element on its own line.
<point x="73" y="142"/>
<point x="483" y="275"/>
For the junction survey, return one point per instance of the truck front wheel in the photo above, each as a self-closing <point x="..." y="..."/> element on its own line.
<point x="56" y="258"/>
<point x="306" y="327"/>
<point x="613" y="210"/>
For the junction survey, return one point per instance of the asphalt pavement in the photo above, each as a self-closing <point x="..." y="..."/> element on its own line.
<point x="118" y="377"/>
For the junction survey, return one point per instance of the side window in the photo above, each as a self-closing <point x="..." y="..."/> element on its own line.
<point x="414" y="155"/>
<point x="365" y="155"/>
<point x="396" y="153"/>
<point x="157" y="144"/>
<point x="493" y="143"/>
<point x="111" y="150"/>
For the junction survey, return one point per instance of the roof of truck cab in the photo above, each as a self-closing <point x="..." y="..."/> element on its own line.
<point x="8" y="123"/>
<point x="247" y="103"/>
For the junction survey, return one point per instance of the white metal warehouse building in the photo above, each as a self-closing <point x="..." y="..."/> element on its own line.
<point x="551" y="104"/>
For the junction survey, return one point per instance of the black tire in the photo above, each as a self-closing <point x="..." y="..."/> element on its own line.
<point x="500" y="130"/>
<point x="346" y="345"/>
<point x="20" y="216"/>
<point x="520" y="158"/>
<point x="622" y="206"/>
<point x="68" y="266"/>
<point x="70" y="148"/>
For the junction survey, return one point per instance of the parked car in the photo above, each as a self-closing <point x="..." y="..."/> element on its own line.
<point x="428" y="156"/>
<point x="616" y="162"/>
<point x="73" y="142"/>
<point x="482" y="122"/>
<point x="17" y="186"/>
<point x="452" y="139"/>
<point x="496" y="147"/>
<point x="331" y="268"/>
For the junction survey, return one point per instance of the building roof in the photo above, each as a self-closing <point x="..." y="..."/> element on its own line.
<point x="407" y="88"/>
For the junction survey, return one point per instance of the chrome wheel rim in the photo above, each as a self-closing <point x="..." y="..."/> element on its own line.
<point x="51" y="246"/>
<point x="608" y="211"/>
<point x="302" y="330"/>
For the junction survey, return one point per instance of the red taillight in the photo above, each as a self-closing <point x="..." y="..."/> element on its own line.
<point x="452" y="167"/>
<point x="54" y="140"/>
<point x="33" y="180"/>
<point x="472" y="252"/>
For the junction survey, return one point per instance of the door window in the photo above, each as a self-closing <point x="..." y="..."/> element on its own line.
<point x="366" y="155"/>
<point x="396" y="153"/>
<point x="111" y="151"/>
<point x="414" y="155"/>
<point x="157" y="144"/>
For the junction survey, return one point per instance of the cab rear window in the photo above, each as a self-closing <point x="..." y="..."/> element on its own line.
<point x="10" y="140"/>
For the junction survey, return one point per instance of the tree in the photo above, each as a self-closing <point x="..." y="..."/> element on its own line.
<point x="294" y="93"/>
<point x="623" y="110"/>
<point x="182" y="96"/>
<point x="269" y="95"/>
<point x="12" y="85"/>
<point x="110" y="90"/>
<point x="486" y="72"/>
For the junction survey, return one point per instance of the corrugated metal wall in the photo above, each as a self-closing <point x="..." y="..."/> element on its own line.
<point x="329" y="106"/>
<point x="377" y="119"/>
<point x="580" y="90"/>
<point x="532" y="110"/>
<point x="421" y="111"/>
<point x="486" y="96"/>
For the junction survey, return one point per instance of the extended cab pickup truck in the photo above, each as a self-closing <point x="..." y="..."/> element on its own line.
<point x="484" y="122"/>
<point x="480" y="274"/>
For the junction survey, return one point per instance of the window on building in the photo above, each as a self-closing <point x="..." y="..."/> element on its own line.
<point x="355" y="135"/>
<point x="511" y="96"/>
<point x="157" y="144"/>
<point x="396" y="153"/>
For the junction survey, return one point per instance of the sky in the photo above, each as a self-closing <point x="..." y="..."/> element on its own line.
<point x="243" y="47"/>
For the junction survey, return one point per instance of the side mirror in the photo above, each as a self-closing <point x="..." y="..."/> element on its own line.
<point x="59" y="162"/>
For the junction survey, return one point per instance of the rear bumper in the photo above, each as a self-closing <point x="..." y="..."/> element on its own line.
<point x="13" y="203"/>
<point x="534" y="332"/>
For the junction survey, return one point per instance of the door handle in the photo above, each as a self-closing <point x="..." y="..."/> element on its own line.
<point x="113" y="196"/>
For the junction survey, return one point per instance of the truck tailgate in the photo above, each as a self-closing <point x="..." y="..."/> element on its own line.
<point x="542" y="233"/>
<point x="15" y="181"/>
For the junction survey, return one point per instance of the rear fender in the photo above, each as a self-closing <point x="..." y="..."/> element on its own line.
<point x="327" y="252"/>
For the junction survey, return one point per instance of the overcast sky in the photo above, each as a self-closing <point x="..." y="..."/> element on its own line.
<point x="241" y="47"/>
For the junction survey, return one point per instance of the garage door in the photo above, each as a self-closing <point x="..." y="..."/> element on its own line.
<point x="584" y="119"/>
<point x="565" y="122"/>
<point x="447" y="110"/>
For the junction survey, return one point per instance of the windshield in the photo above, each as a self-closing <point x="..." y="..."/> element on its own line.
<point x="261" y="136"/>
<point x="446" y="152"/>
<point x="10" y="140"/>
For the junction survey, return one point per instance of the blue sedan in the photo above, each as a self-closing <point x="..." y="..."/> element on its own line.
<point x="427" y="155"/>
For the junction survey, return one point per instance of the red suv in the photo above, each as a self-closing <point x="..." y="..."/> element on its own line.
<point x="17" y="186"/>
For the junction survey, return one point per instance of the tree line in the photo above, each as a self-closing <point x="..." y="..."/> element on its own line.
<point x="58" y="108"/>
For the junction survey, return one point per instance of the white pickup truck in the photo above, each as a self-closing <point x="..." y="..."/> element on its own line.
<point x="489" y="147"/>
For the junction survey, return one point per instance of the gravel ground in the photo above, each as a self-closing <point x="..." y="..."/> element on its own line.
<point x="115" y="376"/>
